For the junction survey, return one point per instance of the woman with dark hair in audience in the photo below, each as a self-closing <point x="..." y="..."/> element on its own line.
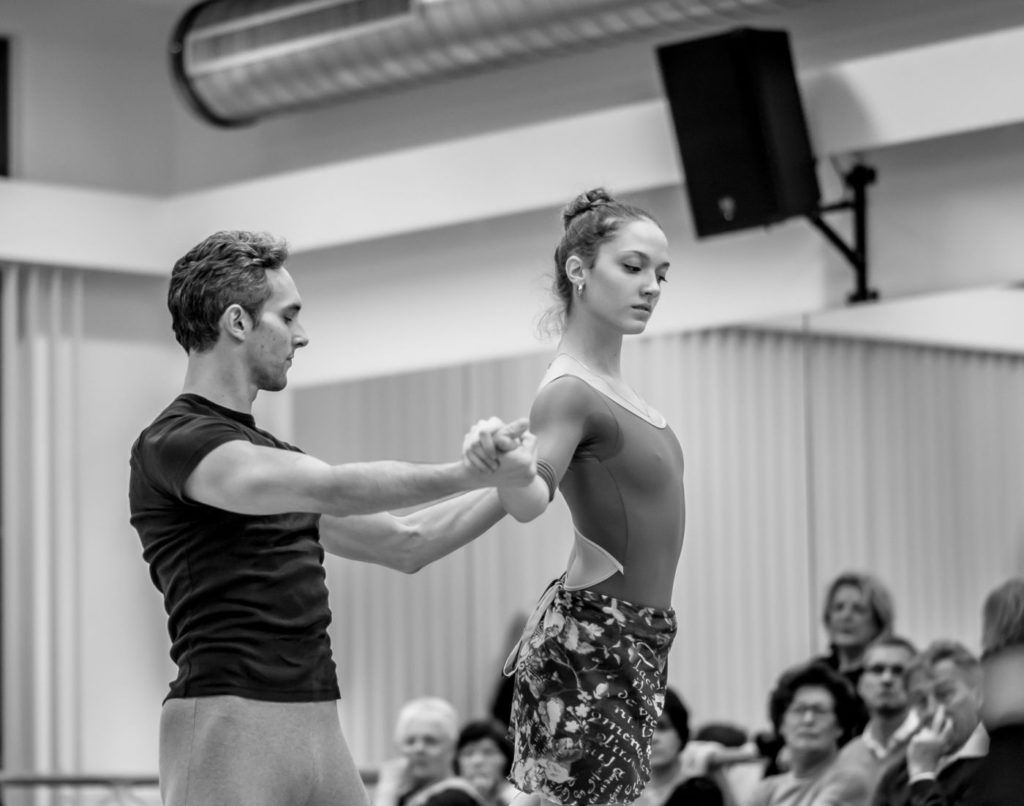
<point x="817" y="714"/>
<point x="670" y="784"/>
<point x="483" y="758"/>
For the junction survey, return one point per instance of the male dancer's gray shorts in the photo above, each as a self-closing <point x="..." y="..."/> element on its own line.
<point x="232" y="751"/>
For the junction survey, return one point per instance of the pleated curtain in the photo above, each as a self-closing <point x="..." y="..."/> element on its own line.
<point x="40" y="331"/>
<point x="806" y="455"/>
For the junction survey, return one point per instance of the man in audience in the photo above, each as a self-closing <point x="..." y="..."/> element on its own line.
<point x="943" y="758"/>
<point x="882" y="688"/>
<point x="818" y="711"/>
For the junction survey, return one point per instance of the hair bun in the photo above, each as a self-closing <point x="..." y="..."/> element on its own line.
<point x="584" y="203"/>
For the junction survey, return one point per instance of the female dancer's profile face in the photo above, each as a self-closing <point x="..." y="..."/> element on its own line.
<point x="623" y="287"/>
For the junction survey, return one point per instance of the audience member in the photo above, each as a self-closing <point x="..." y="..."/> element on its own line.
<point x="424" y="773"/>
<point x="891" y="721"/>
<point x="483" y="757"/>
<point x="1002" y="711"/>
<point x="670" y="784"/>
<point x="858" y="609"/>
<point x="944" y="757"/>
<point x="819" y="710"/>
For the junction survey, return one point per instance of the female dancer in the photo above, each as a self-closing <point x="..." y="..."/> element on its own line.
<point x="590" y="670"/>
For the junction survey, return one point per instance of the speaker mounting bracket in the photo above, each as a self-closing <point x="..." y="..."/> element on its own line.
<point x="856" y="180"/>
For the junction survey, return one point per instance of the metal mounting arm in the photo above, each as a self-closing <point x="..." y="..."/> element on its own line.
<point x="856" y="180"/>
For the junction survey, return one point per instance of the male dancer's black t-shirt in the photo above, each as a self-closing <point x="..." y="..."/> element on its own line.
<point x="245" y="595"/>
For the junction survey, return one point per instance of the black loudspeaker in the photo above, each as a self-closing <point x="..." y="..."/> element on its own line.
<point x="741" y="130"/>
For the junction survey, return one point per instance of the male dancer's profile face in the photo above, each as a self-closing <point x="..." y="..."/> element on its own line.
<point x="277" y="334"/>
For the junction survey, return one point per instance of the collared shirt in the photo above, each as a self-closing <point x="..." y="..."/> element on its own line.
<point x="899" y="737"/>
<point x="976" y="746"/>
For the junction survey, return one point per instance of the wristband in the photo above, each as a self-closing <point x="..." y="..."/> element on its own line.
<point x="547" y="472"/>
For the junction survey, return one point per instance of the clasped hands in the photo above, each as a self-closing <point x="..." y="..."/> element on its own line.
<point x="504" y="453"/>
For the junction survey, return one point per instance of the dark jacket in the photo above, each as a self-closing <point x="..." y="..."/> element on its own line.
<point x="956" y="785"/>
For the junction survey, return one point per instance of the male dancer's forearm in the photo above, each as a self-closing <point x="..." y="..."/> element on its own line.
<point x="440" y="529"/>
<point x="409" y="542"/>
<point x="362" y="488"/>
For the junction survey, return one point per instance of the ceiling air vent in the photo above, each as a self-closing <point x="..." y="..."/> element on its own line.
<point x="237" y="60"/>
<point x="241" y="60"/>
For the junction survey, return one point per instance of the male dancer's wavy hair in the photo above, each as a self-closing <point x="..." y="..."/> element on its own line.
<point x="226" y="268"/>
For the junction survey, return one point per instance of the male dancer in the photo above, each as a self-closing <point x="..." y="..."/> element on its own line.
<point x="234" y="523"/>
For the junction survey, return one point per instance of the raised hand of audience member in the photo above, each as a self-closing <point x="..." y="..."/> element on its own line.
<point x="929" y="744"/>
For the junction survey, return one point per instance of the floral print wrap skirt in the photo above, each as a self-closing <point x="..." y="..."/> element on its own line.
<point x="590" y="682"/>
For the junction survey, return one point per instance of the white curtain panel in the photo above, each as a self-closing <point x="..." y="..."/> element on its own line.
<point x="40" y="330"/>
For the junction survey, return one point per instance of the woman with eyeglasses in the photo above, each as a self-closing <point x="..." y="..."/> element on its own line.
<point x="818" y="712"/>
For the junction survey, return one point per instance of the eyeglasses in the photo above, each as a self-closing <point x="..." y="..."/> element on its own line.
<point x="898" y="670"/>
<point x="800" y="709"/>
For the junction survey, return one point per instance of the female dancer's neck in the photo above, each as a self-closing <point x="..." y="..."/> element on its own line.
<point x="600" y="357"/>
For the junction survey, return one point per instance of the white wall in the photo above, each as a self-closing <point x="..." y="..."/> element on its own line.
<point x="131" y="368"/>
<point x="943" y="215"/>
<point x="91" y="105"/>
